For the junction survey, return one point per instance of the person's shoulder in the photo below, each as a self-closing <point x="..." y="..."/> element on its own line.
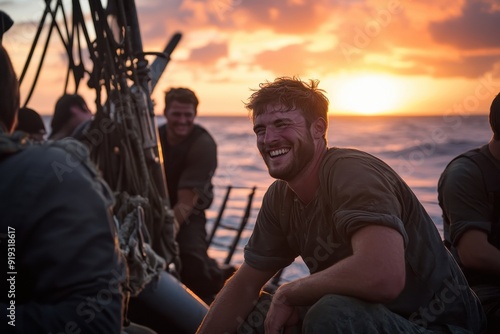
<point x="336" y="154"/>
<point x="67" y="148"/>
<point x="277" y="189"/>
<point x="44" y="153"/>
<point x="201" y="134"/>
<point x="66" y="154"/>
<point x="68" y="161"/>
<point x="460" y="170"/>
<point x="463" y="162"/>
<point x="486" y="152"/>
<point x="476" y="163"/>
<point x="278" y="185"/>
<point x="51" y="163"/>
<point x="345" y="163"/>
<point x="343" y="152"/>
<point x="201" y="130"/>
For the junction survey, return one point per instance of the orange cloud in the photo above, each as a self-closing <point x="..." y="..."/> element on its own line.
<point x="476" y="28"/>
<point x="239" y="41"/>
<point x="209" y="54"/>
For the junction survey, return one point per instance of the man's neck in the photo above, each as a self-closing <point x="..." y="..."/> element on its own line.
<point x="172" y="138"/>
<point x="306" y="184"/>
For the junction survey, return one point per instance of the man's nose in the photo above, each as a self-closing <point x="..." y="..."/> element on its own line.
<point x="184" y="118"/>
<point x="270" y="135"/>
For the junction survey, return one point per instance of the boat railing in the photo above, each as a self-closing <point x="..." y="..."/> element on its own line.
<point x="219" y="223"/>
<point x="227" y="229"/>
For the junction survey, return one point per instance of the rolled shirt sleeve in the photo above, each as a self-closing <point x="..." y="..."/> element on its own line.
<point x="464" y="199"/>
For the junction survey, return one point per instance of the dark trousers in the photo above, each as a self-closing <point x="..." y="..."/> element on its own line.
<point x="341" y="314"/>
<point x="167" y="307"/>
<point x="489" y="295"/>
<point x="199" y="272"/>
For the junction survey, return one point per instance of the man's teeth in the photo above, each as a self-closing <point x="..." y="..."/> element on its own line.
<point x="275" y="153"/>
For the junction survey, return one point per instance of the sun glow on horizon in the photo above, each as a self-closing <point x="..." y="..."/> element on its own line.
<point x="368" y="94"/>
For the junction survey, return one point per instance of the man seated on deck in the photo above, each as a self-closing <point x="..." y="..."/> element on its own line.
<point x="376" y="259"/>
<point x="71" y="116"/>
<point x="190" y="160"/>
<point x="469" y="195"/>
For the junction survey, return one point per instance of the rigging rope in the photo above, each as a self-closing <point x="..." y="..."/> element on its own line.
<point x="122" y="137"/>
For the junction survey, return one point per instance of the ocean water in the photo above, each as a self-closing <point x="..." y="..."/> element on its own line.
<point x="418" y="148"/>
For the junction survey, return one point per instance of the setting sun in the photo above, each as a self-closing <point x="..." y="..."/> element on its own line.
<point x="370" y="94"/>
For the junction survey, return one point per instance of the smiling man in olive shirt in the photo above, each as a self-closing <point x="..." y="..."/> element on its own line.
<point x="376" y="260"/>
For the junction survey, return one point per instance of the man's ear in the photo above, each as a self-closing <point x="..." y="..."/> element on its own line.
<point x="319" y="128"/>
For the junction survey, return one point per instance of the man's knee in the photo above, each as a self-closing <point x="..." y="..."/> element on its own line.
<point x="335" y="306"/>
<point x="342" y="311"/>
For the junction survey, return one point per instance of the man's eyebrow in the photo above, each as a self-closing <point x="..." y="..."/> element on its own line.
<point x="283" y="120"/>
<point x="257" y="127"/>
<point x="276" y="121"/>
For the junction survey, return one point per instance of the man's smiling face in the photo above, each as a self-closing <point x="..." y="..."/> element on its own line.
<point x="284" y="140"/>
<point x="180" y="119"/>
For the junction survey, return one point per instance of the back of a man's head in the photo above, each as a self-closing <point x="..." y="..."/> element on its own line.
<point x="29" y="121"/>
<point x="62" y="110"/>
<point x="9" y="92"/>
<point x="495" y="117"/>
<point x="182" y="95"/>
<point x="5" y="23"/>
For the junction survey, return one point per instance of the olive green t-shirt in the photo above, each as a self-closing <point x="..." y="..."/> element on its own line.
<point x="357" y="190"/>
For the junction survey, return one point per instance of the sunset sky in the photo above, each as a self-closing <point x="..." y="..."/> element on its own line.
<point x="371" y="56"/>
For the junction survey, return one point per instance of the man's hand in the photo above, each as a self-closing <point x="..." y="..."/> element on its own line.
<point x="186" y="200"/>
<point x="281" y="315"/>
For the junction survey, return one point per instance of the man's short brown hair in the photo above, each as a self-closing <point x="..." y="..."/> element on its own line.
<point x="291" y="93"/>
<point x="182" y="95"/>
<point x="9" y="91"/>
